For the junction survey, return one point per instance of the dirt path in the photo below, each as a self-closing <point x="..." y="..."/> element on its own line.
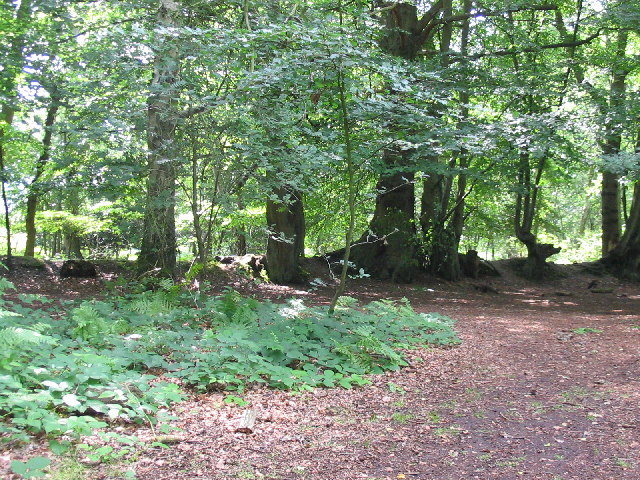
<point x="544" y="386"/>
<point x="527" y="395"/>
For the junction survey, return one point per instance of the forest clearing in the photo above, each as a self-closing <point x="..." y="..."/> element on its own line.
<point x="543" y="386"/>
<point x="403" y="172"/>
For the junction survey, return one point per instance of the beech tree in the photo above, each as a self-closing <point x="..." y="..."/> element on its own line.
<point x="159" y="236"/>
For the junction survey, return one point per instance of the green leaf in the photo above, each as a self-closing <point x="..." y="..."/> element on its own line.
<point x="59" y="447"/>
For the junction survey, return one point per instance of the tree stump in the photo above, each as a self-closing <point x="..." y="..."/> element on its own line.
<point x="78" y="269"/>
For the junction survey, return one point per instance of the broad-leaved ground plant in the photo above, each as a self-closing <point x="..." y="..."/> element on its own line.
<point x="67" y="370"/>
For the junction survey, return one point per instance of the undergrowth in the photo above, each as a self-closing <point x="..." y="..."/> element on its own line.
<point x="67" y="370"/>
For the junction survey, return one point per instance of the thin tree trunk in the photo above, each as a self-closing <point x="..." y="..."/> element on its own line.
<point x="33" y="196"/>
<point x="351" y="192"/>
<point x="195" y="197"/>
<point x="239" y="231"/>
<point x="12" y="69"/>
<point x="5" y="202"/>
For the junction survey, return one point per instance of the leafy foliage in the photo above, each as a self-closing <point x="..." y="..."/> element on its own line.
<point x="69" y="373"/>
<point x="294" y="346"/>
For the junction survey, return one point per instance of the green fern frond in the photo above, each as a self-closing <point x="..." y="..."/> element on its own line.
<point x="155" y="304"/>
<point x="89" y="323"/>
<point x="244" y="315"/>
<point x="12" y="337"/>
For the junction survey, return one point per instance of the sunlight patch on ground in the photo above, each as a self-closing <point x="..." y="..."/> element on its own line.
<point x="542" y="303"/>
<point x="453" y="300"/>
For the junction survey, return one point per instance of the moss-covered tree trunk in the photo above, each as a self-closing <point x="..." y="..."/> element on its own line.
<point x="285" y="246"/>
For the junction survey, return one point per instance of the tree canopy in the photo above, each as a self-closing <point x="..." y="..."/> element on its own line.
<point x="389" y="135"/>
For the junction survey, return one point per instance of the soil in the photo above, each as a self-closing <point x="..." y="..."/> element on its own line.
<point x="545" y="385"/>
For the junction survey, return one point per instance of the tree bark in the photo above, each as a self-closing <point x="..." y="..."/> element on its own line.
<point x="5" y="201"/>
<point x="72" y="241"/>
<point x="610" y="193"/>
<point x="388" y="250"/>
<point x="441" y="224"/>
<point x="239" y="232"/>
<point x="526" y="203"/>
<point x="33" y="196"/>
<point x="14" y="45"/>
<point x="159" y="235"/>
<point x="624" y="258"/>
<point x="285" y="245"/>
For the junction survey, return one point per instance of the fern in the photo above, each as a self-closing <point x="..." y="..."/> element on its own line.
<point x="375" y="347"/>
<point x="193" y="273"/>
<point x="155" y="304"/>
<point x="12" y="337"/>
<point x="346" y="301"/>
<point x="229" y="302"/>
<point x="90" y="326"/>
<point x="16" y="342"/>
<point x="244" y="316"/>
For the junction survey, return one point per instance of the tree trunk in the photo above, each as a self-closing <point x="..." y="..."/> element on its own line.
<point x="72" y="246"/>
<point x="610" y="205"/>
<point x="6" y="119"/>
<point x="285" y="245"/>
<point x="201" y="245"/>
<point x="33" y="196"/>
<point x="442" y="225"/>
<point x="526" y="207"/>
<point x="55" y="247"/>
<point x="624" y="258"/>
<point x="537" y="254"/>
<point x="610" y="193"/>
<point x="239" y="232"/>
<point x="12" y="69"/>
<point x="159" y="234"/>
<point x="388" y="250"/>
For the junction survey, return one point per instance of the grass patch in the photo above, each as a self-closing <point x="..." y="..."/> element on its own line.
<point x="452" y="431"/>
<point x="401" y="417"/>
<point x="511" y="462"/>
<point x="586" y="330"/>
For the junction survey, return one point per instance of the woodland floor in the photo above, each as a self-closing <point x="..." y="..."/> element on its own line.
<point x="525" y="395"/>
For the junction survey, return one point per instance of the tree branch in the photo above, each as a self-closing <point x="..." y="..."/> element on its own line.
<point x="428" y="23"/>
<point x="94" y="28"/>
<point x="515" y="51"/>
